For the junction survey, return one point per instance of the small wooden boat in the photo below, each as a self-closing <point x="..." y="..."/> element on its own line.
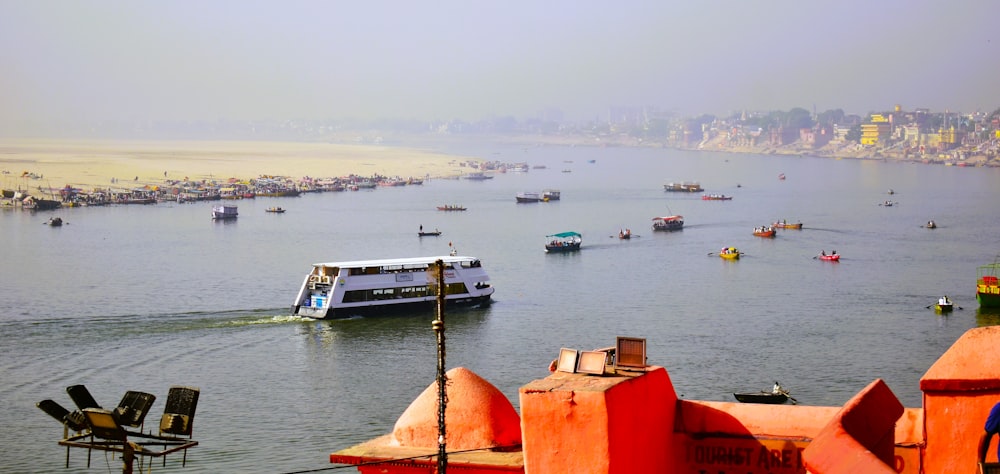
<point x="778" y="395"/>
<point x="274" y="209"/>
<point x="730" y="253"/>
<point x="786" y="225"/>
<point x="625" y="234"/>
<point x="944" y="305"/>
<point x="54" y="222"/>
<point x="435" y="233"/>
<point x="834" y="257"/>
<point x="931" y="225"/>
<point x="715" y="197"/>
<point x="450" y="207"/>
<point x="761" y="397"/>
<point x="764" y="231"/>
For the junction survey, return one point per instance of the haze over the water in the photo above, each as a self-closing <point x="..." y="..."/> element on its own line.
<point x="184" y="60"/>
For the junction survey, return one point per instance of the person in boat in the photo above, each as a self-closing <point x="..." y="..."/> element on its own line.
<point x="944" y="301"/>
<point x="833" y="252"/>
<point x="822" y="253"/>
<point x="991" y="428"/>
<point x="777" y="390"/>
<point x="421" y="228"/>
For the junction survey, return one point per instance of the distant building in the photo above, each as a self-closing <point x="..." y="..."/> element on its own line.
<point x="877" y="130"/>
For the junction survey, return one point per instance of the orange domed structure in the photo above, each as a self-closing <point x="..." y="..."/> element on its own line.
<point x="478" y="416"/>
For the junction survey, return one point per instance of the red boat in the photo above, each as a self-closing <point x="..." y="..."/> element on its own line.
<point x="834" y="257"/>
<point x="764" y="231"/>
<point x="715" y="197"/>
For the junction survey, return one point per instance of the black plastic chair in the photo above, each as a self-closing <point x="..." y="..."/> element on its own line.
<point x="178" y="414"/>
<point x="133" y="408"/>
<point x="82" y="397"/>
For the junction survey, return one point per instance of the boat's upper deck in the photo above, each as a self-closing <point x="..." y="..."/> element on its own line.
<point x="413" y="262"/>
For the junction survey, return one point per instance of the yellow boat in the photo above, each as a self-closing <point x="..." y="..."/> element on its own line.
<point x="730" y="253"/>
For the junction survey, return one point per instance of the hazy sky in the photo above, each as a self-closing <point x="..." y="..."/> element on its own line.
<point x="467" y="59"/>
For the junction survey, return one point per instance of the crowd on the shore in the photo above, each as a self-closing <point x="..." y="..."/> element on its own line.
<point x="184" y="190"/>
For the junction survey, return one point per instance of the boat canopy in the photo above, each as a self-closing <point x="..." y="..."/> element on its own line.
<point x="668" y="218"/>
<point x="563" y="235"/>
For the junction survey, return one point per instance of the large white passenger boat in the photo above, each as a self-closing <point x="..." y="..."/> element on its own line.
<point x="344" y="289"/>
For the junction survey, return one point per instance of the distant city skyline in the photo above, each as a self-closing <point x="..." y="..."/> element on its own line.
<point x="78" y="62"/>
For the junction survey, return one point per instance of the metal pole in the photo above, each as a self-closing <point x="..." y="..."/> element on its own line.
<point x="442" y="378"/>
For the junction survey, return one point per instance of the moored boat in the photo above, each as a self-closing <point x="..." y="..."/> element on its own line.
<point x="226" y="211"/>
<point x="477" y="176"/>
<point x="367" y="287"/>
<point x="730" y="253"/>
<point x="275" y="210"/>
<point x="668" y="223"/>
<point x="563" y="242"/>
<point x="987" y="287"/>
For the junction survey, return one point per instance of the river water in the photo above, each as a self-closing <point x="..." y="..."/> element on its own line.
<point x="146" y="297"/>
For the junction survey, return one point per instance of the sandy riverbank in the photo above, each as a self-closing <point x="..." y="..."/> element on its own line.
<point x="93" y="163"/>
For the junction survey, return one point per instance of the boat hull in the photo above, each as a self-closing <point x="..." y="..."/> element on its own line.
<point x="419" y="307"/>
<point x="762" y="397"/>
<point x="780" y="225"/>
<point x="987" y="300"/>
<point x="943" y="308"/>
<point x="528" y="197"/>
<point x="830" y="258"/>
<point x="562" y="248"/>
